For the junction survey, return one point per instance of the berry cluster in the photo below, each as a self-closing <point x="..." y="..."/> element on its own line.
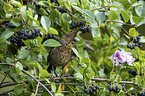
<point x="85" y="30"/>
<point x="9" y="24"/>
<point x="55" y="1"/>
<point x="39" y="6"/>
<point x="91" y="90"/>
<point x="22" y="34"/>
<point x="132" y="72"/>
<point x="76" y="24"/>
<point x="62" y="10"/>
<point x="135" y="41"/>
<point x="141" y="94"/>
<point x="26" y="68"/>
<point x="49" y="36"/>
<point x="123" y="86"/>
<point x="115" y="89"/>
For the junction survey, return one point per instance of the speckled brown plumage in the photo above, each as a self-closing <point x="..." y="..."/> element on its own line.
<point x="60" y="56"/>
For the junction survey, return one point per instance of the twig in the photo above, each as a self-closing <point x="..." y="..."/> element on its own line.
<point x="37" y="89"/>
<point x="120" y="22"/>
<point x="4" y="93"/>
<point x="31" y="76"/>
<point x="59" y="7"/>
<point x="4" y="77"/>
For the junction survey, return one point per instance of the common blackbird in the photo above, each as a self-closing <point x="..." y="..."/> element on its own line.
<point x="60" y="56"/>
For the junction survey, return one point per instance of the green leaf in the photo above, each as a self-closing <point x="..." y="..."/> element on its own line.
<point x="89" y="13"/>
<point x="16" y="21"/>
<point x="138" y="80"/>
<point x="78" y="76"/>
<point x="101" y="17"/>
<point x="6" y="34"/>
<point x="51" y="43"/>
<point x="66" y="5"/>
<point x="18" y="89"/>
<point x="52" y="31"/>
<point x="59" y="89"/>
<point x="137" y="20"/>
<point x="95" y="32"/>
<point x="141" y="23"/>
<point x="66" y="17"/>
<point x="44" y="74"/>
<point x="23" y="54"/>
<point x="92" y="22"/>
<point x="59" y="94"/>
<point x="125" y="15"/>
<point x="26" y="42"/>
<point x="45" y="22"/>
<point x="78" y="9"/>
<point x="76" y="52"/>
<point x="133" y="32"/>
<point x="1" y="1"/>
<point x="19" y="67"/>
<point x="113" y="15"/>
<point x="53" y="87"/>
<point x="24" y="13"/>
<point x="9" y="60"/>
<point x="31" y="63"/>
<point x="140" y="10"/>
<point x="7" y="8"/>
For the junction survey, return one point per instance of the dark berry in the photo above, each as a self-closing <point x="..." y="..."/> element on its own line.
<point x="44" y="7"/>
<point x="94" y="89"/>
<point x="38" y="6"/>
<point x="137" y="59"/>
<point x="33" y="32"/>
<point x="117" y="87"/>
<point x="122" y="28"/>
<point x="131" y="38"/>
<point x="25" y="38"/>
<point x="90" y="91"/>
<point x="143" y="93"/>
<point x="110" y="88"/>
<point x="97" y="87"/>
<point x="139" y="94"/>
<point x="21" y="36"/>
<point x="128" y="46"/>
<point x="86" y="91"/>
<point x="81" y="23"/>
<point x="135" y="41"/>
<point x="71" y="27"/>
<point x="26" y="68"/>
<point x="138" y="38"/>
<point x="139" y="34"/>
<point x="140" y="45"/>
<point x="117" y="91"/>
<point x="88" y="29"/>
<point x="85" y="48"/>
<point x="114" y="89"/>
<point x="123" y="87"/>
<point x="123" y="84"/>
<point x="14" y="6"/>
<point x="131" y="47"/>
<point x="132" y="72"/>
<point x="11" y="26"/>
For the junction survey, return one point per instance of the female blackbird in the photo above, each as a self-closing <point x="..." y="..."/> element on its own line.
<point x="60" y="56"/>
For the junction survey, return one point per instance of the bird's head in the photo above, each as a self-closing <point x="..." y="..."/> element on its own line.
<point x="69" y="37"/>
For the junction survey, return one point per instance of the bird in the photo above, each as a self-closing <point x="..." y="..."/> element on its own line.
<point x="61" y="55"/>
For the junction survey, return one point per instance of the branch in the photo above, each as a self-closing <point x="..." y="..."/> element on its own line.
<point x="4" y="93"/>
<point x="30" y="76"/>
<point x="37" y="89"/>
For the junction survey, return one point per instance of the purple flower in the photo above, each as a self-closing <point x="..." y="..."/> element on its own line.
<point x="121" y="57"/>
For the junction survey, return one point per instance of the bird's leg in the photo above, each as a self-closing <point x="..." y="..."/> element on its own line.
<point x="52" y="74"/>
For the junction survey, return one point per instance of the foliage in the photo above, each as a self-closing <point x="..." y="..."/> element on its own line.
<point x="29" y="28"/>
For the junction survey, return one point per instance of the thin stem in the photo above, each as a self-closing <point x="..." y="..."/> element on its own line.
<point x="120" y="22"/>
<point x="37" y="89"/>
<point x="4" y="77"/>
